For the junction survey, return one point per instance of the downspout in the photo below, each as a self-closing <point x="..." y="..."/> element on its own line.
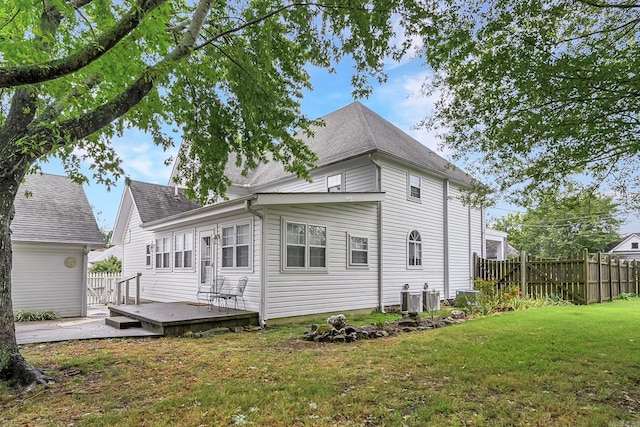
<point x="263" y="264"/>
<point x="85" y="272"/>
<point x="380" y="239"/>
<point x="445" y="226"/>
<point x="470" y="231"/>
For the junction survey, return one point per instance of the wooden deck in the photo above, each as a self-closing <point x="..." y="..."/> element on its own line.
<point x="176" y="318"/>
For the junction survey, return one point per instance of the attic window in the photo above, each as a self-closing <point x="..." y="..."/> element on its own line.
<point x="334" y="183"/>
<point x="634" y="245"/>
<point x="414" y="187"/>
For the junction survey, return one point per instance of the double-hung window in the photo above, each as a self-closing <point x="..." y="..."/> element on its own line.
<point x="163" y="252"/>
<point x="334" y="183"/>
<point x="414" y="187"/>
<point x="148" y="255"/>
<point x="414" y="249"/>
<point x="236" y="241"/>
<point x="305" y="246"/>
<point x="358" y="251"/>
<point x="183" y="250"/>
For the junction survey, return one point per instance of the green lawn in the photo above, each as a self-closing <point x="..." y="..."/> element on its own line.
<point x="563" y="365"/>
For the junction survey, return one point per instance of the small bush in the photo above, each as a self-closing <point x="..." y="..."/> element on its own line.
<point x="625" y="296"/>
<point x="110" y="265"/>
<point x="35" y="315"/>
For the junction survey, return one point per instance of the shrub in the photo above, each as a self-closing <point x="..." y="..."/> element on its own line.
<point x="110" y="265"/>
<point x="34" y="315"/>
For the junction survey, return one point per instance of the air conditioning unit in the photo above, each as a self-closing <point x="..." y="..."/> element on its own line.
<point x="430" y="301"/>
<point x="410" y="302"/>
<point x="467" y="297"/>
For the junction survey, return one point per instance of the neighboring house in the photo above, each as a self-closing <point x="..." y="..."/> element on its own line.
<point x="53" y="230"/>
<point x="627" y="248"/>
<point x="497" y="245"/>
<point x="102" y="254"/>
<point x="382" y="211"/>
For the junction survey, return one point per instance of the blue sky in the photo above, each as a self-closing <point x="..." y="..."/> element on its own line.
<point x="398" y="100"/>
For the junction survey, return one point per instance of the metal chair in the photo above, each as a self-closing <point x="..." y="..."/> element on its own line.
<point x="234" y="293"/>
<point x="206" y="289"/>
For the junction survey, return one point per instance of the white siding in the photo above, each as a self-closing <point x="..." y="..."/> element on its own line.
<point x="291" y="293"/>
<point x="41" y="281"/>
<point x="400" y="217"/>
<point x="173" y="284"/>
<point x="459" y="243"/>
<point x="358" y="176"/>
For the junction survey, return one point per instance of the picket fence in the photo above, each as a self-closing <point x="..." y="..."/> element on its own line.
<point x="102" y="288"/>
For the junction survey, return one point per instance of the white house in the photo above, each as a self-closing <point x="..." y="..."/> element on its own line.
<point x="382" y="211"/>
<point x="627" y="248"/>
<point x="53" y="230"/>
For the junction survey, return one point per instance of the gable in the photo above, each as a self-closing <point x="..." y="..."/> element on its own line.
<point x="56" y="210"/>
<point x="631" y="242"/>
<point x="350" y="132"/>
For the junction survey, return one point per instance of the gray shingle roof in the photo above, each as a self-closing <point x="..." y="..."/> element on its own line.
<point x="352" y="131"/>
<point x="156" y="201"/>
<point x="56" y="211"/>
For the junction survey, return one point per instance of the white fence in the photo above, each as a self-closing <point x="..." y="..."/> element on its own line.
<point x="102" y="288"/>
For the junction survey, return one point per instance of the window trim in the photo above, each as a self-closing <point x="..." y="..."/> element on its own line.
<point x="149" y="255"/>
<point x="340" y="187"/>
<point x="350" y="250"/>
<point x="165" y="250"/>
<point x="415" y="242"/>
<point x="234" y="246"/>
<point x="634" y="245"/>
<point x="184" y="250"/>
<point x="307" y="247"/>
<point x="410" y="196"/>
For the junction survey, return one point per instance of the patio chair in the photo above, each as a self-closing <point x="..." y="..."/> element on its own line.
<point x="206" y="289"/>
<point x="234" y="293"/>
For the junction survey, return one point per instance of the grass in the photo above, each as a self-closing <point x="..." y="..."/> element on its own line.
<point x="553" y="366"/>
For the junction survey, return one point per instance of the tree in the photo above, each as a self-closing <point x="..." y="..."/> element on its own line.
<point x="563" y="224"/>
<point x="228" y="75"/>
<point x="109" y="265"/>
<point x="539" y="92"/>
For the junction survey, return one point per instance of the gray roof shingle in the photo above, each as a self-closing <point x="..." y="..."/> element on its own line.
<point x="156" y="201"/>
<point x="352" y="131"/>
<point x="56" y="210"/>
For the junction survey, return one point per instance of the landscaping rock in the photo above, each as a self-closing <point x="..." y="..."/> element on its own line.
<point x="338" y="321"/>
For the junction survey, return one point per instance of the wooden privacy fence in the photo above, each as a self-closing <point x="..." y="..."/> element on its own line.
<point x="584" y="278"/>
<point x="102" y="288"/>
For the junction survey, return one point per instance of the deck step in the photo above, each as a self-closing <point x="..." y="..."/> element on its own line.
<point x="122" y="322"/>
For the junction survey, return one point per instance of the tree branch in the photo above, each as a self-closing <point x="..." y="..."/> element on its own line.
<point x="37" y="73"/>
<point x="80" y="127"/>
<point x="610" y="5"/>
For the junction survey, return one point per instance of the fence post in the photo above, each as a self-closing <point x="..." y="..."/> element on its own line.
<point x="599" y="258"/>
<point x="523" y="273"/>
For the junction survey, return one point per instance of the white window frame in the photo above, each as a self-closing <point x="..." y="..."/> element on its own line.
<point x="183" y="243"/>
<point x="410" y="186"/>
<point x="332" y="185"/>
<point x="308" y="246"/>
<point x="417" y="244"/>
<point x="149" y="256"/>
<point x="163" y="253"/>
<point x="234" y="245"/>
<point x="351" y="249"/>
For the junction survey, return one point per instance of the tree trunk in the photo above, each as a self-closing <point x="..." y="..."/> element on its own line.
<point x="14" y="369"/>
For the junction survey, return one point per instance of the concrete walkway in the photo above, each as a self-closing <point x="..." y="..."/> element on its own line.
<point x="79" y="328"/>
